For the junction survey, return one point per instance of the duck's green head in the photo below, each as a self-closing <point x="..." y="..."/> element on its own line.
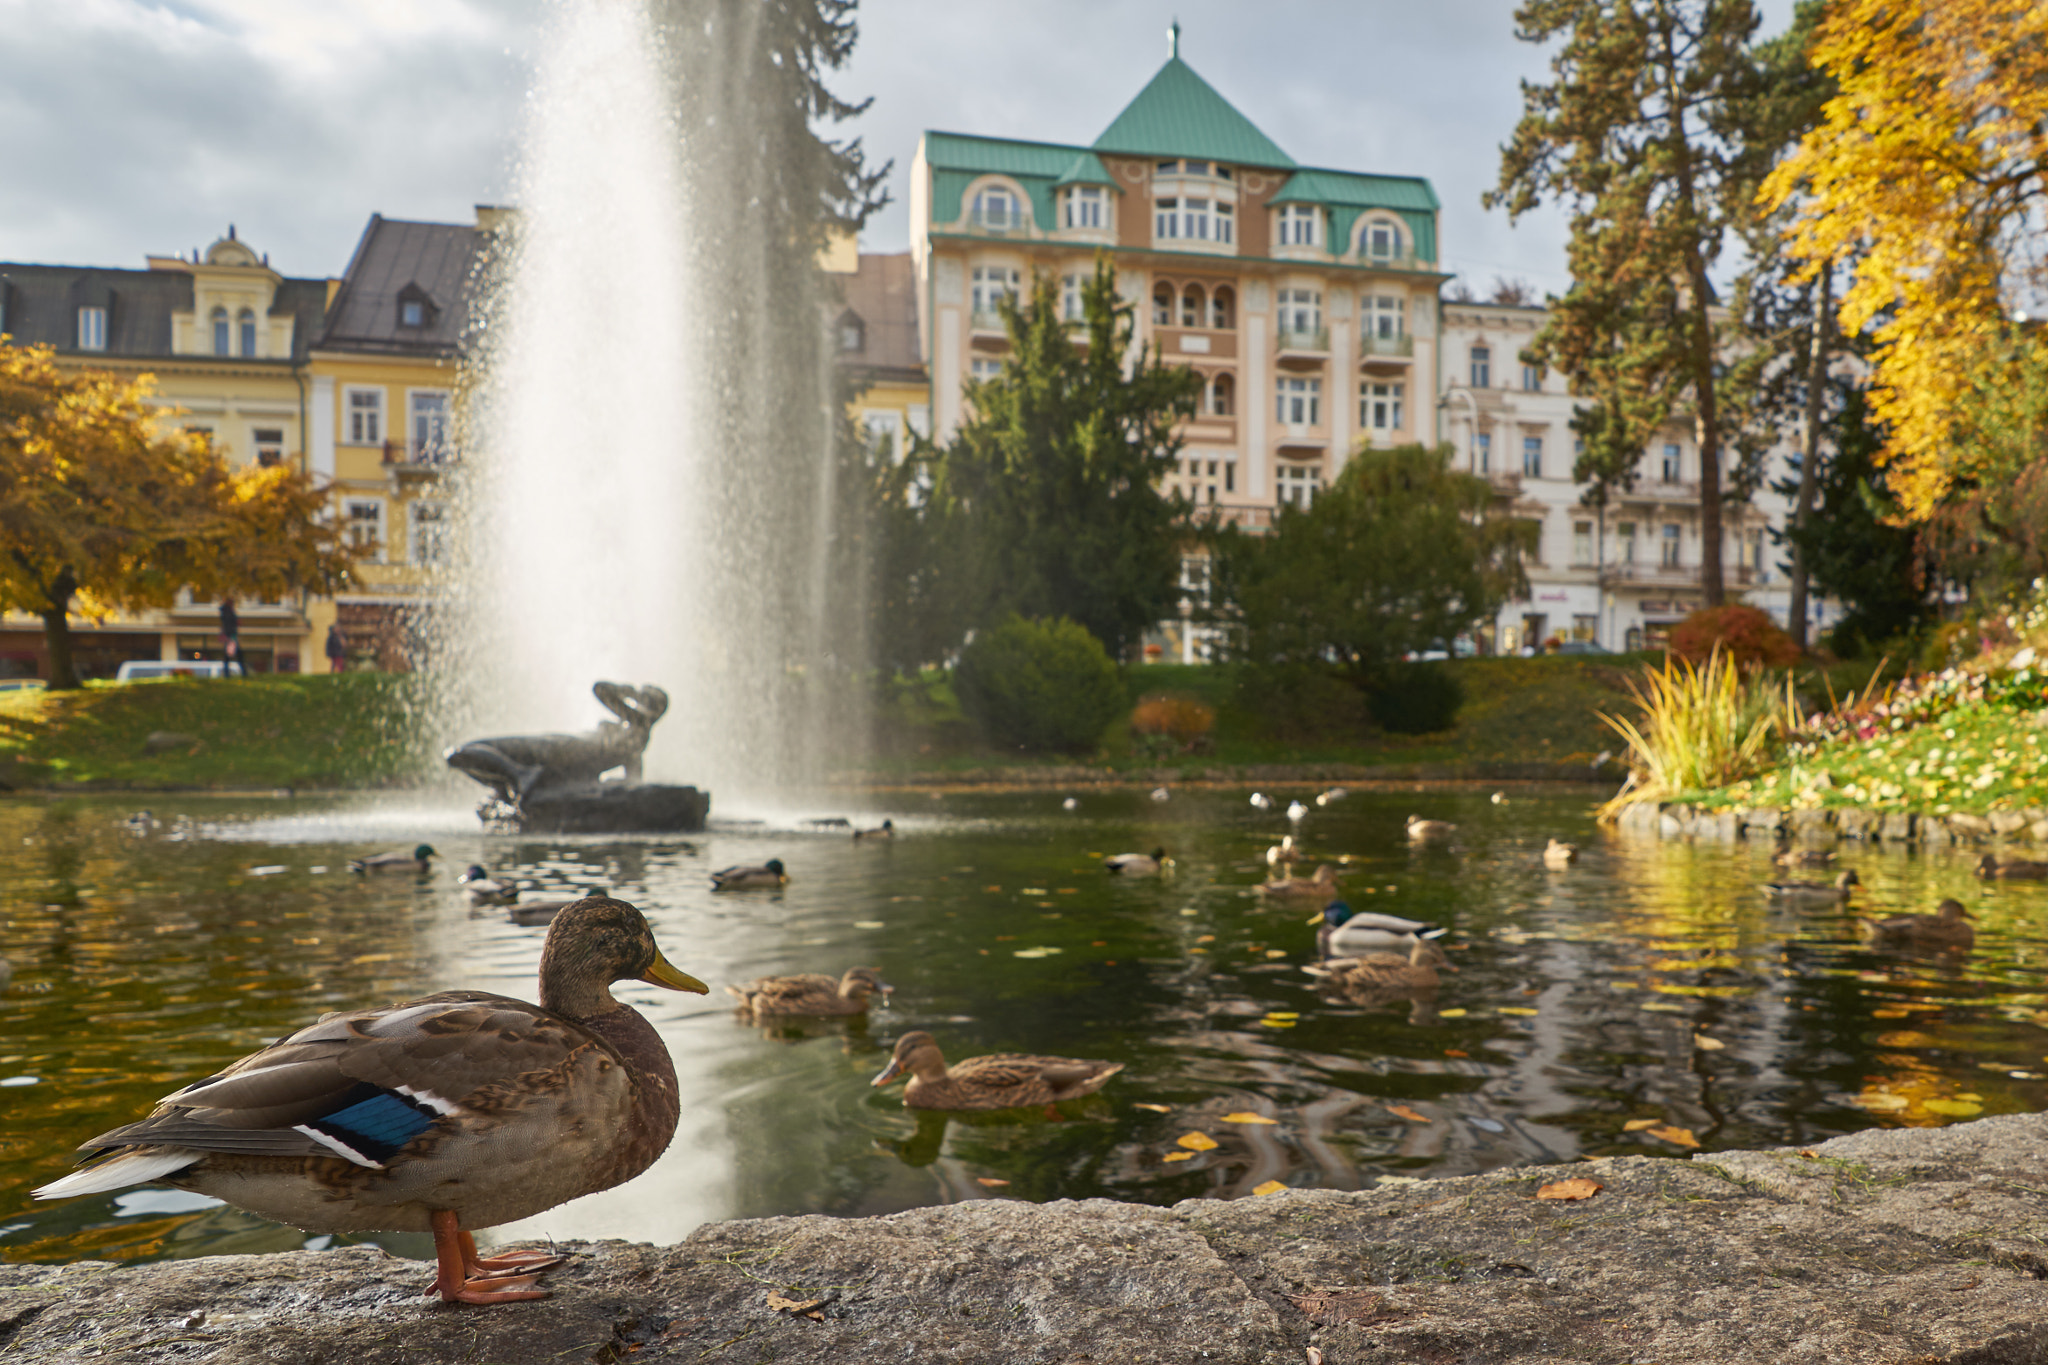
<point x="775" y="865"/>
<point x="424" y="852"/>
<point x="1335" y="913"/>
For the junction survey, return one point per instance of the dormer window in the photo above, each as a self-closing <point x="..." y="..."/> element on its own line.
<point x="412" y="313"/>
<point x="998" y="209"/>
<point x="1380" y="240"/>
<point x="1085" y="207"/>
<point x="92" y="329"/>
<point x="416" y="308"/>
<point x="1299" y="225"/>
<point x="853" y="333"/>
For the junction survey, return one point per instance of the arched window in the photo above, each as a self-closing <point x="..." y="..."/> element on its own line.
<point x="248" y="330"/>
<point x="1380" y="239"/>
<point x="1194" y="306"/>
<point x="221" y="339"/>
<point x="1223" y="309"/>
<point x="997" y="208"/>
<point x="1222" y="395"/>
<point x="1162" y="305"/>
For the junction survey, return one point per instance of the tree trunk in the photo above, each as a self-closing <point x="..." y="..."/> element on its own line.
<point x="1809" y="461"/>
<point x="57" y="637"/>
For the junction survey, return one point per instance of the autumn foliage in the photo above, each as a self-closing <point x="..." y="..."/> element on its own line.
<point x="1183" y="720"/>
<point x="1745" y="636"/>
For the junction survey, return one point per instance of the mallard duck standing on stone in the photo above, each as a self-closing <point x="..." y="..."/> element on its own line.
<point x="445" y="1114"/>
<point x="1001" y="1080"/>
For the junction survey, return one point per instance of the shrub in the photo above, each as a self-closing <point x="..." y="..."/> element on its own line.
<point x="1416" y="698"/>
<point x="1700" y="728"/>
<point x="1039" y="685"/>
<point x="1745" y="636"/>
<point x="1180" y="721"/>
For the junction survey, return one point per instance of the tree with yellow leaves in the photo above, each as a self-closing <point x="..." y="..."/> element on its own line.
<point x="101" y="510"/>
<point x="1928" y="176"/>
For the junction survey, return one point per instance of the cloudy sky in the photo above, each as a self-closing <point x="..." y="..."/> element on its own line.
<point x="146" y="126"/>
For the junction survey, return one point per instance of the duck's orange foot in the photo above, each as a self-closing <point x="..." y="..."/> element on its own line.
<point x="513" y="1263"/>
<point x="462" y="1276"/>
<point x="498" y="1289"/>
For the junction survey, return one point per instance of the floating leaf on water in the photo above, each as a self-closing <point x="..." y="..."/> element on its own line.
<point x="1450" y="1014"/>
<point x="991" y="888"/>
<point x="867" y="924"/>
<point x="1402" y="1111"/>
<point x="1883" y="1101"/>
<point x="1576" y="1188"/>
<point x="1682" y="1136"/>
<point x="1197" y="1141"/>
<point x="1706" y="1044"/>
<point x="1515" y="1009"/>
<point x="1269" y="1021"/>
<point x="1270" y="1187"/>
<point x="1155" y="1108"/>
<point x="1487" y="1125"/>
<point x="1206" y="938"/>
<point x="1282" y="1014"/>
<point x="1888" y="1014"/>
<point x="989" y="1180"/>
<point x="1276" y="952"/>
<point x="1662" y="1007"/>
<point x="1637" y="1125"/>
<point x="268" y="870"/>
<point x="1956" y="1108"/>
<point x="1178" y="1156"/>
<point x="1456" y="1052"/>
<point x="1036" y="952"/>
<point x="1248" y="1118"/>
<point x="1035" y="891"/>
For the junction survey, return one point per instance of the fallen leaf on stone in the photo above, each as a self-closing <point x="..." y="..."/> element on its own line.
<point x="989" y="1181"/>
<point x="1248" y="1118"/>
<point x="1155" y="1108"/>
<point x="1270" y="1187"/>
<point x="1197" y="1141"/>
<point x="1402" y="1111"/>
<point x="1343" y="1305"/>
<point x="1315" y="1355"/>
<point x="1809" y="1154"/>
<point x="804" y="1307"/>
<point x="1958" y="1109"/>
<point x="1578" y="1187"/>
<point x="1178" y="1156"/>
<point x="1682" y="1136"/>
<point x="1706" y="1044"/>
<point x="1637" y="1125"/>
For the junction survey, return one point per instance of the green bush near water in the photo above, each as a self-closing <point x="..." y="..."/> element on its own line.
<point x="1416" y="698"/>
<point x="1040" y="686"/>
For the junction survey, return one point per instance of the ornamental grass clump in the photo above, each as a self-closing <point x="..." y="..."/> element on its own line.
<point x="1702" y="726"/>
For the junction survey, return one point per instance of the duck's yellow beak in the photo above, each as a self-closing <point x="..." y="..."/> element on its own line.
<point x="662" y="974"/>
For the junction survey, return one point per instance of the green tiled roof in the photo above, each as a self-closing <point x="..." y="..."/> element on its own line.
<point x="957" y="160"/>
<point x="1180" y="114"/>
<point x="1346" y="194"/>
<point x="1086" y="170"/>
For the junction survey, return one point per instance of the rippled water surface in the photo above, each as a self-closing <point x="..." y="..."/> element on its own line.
<point x="1648" y="994"/>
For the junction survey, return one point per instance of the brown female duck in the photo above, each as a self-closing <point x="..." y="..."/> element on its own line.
<point x="1323" y="884"/>
<point x="1001" y="1080"/>
<point x="811" y="993"/>
<point x="1948" y="927"/>
<point x="2013" y="869"/>
<point x="444" y="1114"/>
<point x="1413" y="970"/>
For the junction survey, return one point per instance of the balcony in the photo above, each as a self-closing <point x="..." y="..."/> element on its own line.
<point x="1304" y="345"/>
<point x="1660" y="491"/>
<point x="986" y="322"/>
<point x="1651" y="575"/>
<point x="418" y="457"/>
<point x="1372" y="347"/>
<point x="1506" y="483"/>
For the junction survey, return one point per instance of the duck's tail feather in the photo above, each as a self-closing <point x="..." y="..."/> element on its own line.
<point x="137" y="1167"/>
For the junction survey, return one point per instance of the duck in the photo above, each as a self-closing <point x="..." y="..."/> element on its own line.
<point x="415" y="861"/>
<point x="1137" y="864"/>
<point x="812" y="993"/>
<point x="885" y="830"/>
<point x="2016" y="869"/>
<point x="534" y="913"/>
<point x="1803" y="857"/>
<point x="1323" y="883"/>
<point x="1070" y="804"/>
<point x="1421" y="831"/>
<point x="1001" y="1080"/>
<point x="1296" y="812"/>
<point x="1286" y="853"/>
<point x="446" y="1114"/>
<point x="1346" y="932"/>
<point x="1499" y="798"/>
<point x="484" y="889"/>
<point x="1333" y="794"/>
<point x="1161" y="794"/>
<point x="1261" y="801"/>
<point x="1414" y="970"/>
<point x="739" y="878"/>
<point x="1836" y="890"/>
<point x="1559" y="854"/>
<point x="1947" y="927"/>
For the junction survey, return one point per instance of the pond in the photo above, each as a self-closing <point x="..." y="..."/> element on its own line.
<point x="1646" y="999"/>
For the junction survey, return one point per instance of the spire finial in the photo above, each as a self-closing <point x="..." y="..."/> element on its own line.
<point x="1173" y="40"/>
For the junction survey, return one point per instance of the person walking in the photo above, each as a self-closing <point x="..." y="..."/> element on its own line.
<point x="337" y="649"/>
<point x="231" y="640"/>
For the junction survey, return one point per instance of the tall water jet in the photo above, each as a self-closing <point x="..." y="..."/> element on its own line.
<point x="650" y="490"/>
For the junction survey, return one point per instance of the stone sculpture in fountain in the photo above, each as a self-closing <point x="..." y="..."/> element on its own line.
<point x="554" y="784"/>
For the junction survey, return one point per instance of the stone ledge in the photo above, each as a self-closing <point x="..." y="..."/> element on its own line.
<point x="1922" y="1245"/>
<point x="1822" y="825"/>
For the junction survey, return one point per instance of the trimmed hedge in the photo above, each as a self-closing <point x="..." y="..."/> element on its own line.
<point x="1039" y="685"/>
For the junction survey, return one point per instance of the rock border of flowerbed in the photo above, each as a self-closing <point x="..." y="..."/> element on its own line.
<point x="1684" y="820"/>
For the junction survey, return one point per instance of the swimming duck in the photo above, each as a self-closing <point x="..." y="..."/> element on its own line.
<point x="415" y="861"/>
<point x="1947" y="927"/>
<point x="1285" y="853"/>
<point x="811" y="993"/>
<point x="1837" y="890"/>
<point x="1803" y="857"/>
<point x="1001" y="1080"/>
<point x="445" y="1114"/>
<point x="885" y="830"/>
<point x="484" y="889"/>
<point x="1414" y="970"/>
<point x="2016" y="869"/>
<point x="1421" y="831"/>
<point x="1323" y="884"/>
<point x="1499" y="798"/>
<point x="1161" y="794"/>
<point x="1559" y="854"/>
<point x="1136" y="864"/>
<point x="739" y="878"/>
<point x="1333" y="794"/>
<point x="1070" y="804"/>
<point x="1346" y="932"/>
<point x="1296" y="812"/>
<point x="1261" y="801"/>
<point x="533" y="913"/>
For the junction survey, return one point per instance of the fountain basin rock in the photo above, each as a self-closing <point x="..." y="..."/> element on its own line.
<point x="606" y="808"/>
<point x="1918" y="1245"/>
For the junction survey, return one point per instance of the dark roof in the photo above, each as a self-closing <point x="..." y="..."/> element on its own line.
<point x="39" y="307"/>
<point x="435" y="262"/>
<point x="883" y="294"/>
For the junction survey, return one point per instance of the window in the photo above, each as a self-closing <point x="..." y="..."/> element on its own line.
<point x="1669" y="471"/>
<point x="1084" y="207"/>
<point x="412" y="313"/>
<point x="1194" y="306"/>
<point x="364" y="417"/>
<point x="246" y="325"/>
<point x="1625" y="542"/>
<point x="1749" y="553"/>
<point x="1379" y="406"/>
<point x="429" y="426"/>
<point x="429" y="542"/>
<point x="269" y="445"/>
<point x="1194" y="219"/>
<point x="984" y="367"/>
<point x="1223" y="308"/>
<point x="1585" y="627"/>
<point x="1482" y="451"/>
<point x="991" y="284"/>
<point x="1381" y="240"/>
<point x="1301" y="313"/>
<point x="1300" y="401"/>
<point x="1582" y="543"/>
<point x="1194" y="578"/>
<point x="1162" y="305"/>
<point x="1222" y="395"/>
<point x="1226" y="220"/>
<point x="1200" y="477"/>
<point x="1532" y="457"/>
<point x="92" y="329"/>
<point x="852" y="336"/>
<point x="1298" y="485"/>
<point x="221" y="339"/>
<point x="1482" y="367"/>
<point x="1166" y="217"/>
<point x="1298" y="225"/>
<point x="1532" y="379"/>
<point x="998" y="209"/>
<point x="1071" y="309"/>
<point x="1669" y="558"/>
<point x="1385" y="315"/>
<point x="884" y="431"/>
<point x="364" y="527"/>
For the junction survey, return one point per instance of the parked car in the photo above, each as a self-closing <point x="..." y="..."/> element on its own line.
<point x="20" y="684"/>
<point x="143" y="670"/>
<point x="1581" y="647"/>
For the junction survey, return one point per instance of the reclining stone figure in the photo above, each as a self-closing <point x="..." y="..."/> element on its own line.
<point x="516" y="767"/>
